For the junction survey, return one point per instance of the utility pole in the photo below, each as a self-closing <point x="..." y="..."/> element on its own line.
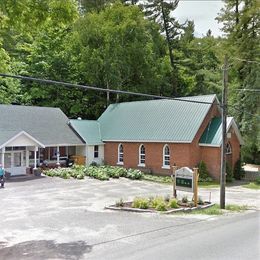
<point x="224" y="135"/>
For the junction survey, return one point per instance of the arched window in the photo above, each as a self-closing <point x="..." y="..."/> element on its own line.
<point x="142" y="155"/>
<point x="228" y="148"/>
<point x="120" y="154"/>
<point x="166" y="156"/>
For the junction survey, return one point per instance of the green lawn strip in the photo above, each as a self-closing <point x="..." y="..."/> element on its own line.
<point x="168" y="180"/>
<point x="252" y="185"/>
<point x="215" y="210"/>
<point x="158" y="179"/>
<point x="212" y="184"/>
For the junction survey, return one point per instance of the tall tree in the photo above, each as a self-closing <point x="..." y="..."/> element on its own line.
<point x="241" y="22"/>
<point x="121" y="49"/>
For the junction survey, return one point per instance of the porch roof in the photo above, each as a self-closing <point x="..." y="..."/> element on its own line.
<point x="47" y="125"/>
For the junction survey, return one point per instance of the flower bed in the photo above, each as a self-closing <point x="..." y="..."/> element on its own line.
<point x="102" y="173"/>
<point x="159" y="204"/>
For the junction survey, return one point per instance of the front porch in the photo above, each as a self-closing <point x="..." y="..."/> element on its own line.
<point x="23" y="154"/>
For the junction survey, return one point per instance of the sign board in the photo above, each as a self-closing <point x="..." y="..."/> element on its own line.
<point x="184" y="179"/>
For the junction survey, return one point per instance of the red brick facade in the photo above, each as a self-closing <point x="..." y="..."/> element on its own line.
<point x="181" y="154"/>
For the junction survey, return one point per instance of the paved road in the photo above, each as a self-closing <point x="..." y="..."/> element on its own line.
<point x="234" y="237"/>
<point x="52" y="218"/>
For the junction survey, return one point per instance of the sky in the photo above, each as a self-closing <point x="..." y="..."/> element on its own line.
<point x="203" y="12"/>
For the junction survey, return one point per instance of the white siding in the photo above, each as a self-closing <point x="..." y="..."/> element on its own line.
<point x="81" y="150"/>
<point x="22" y="140"/>
<point x="90" y="154"/>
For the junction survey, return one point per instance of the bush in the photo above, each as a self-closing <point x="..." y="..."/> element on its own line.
<point x="156" y="201"/>
<point x="161" y="206"/>
<point x="184" y="199"/>
<point x="134" y="174"/>
<point x="120" y="203"/>
<point x="229" y="173"/>
<point x="203" y="172"/>
<point x="140" y="203"/>
<point x="173" y="204"/>
<point x="239" y="172"/>
<point x="257" y="180"/>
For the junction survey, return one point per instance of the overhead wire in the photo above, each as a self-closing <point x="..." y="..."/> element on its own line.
<point x="53" y="82"/>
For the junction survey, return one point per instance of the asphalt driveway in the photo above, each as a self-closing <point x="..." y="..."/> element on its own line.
<point x="52" y="218"/>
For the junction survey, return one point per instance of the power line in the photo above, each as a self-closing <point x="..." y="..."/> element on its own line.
<point x="247" y="89"/>
<point x="69" y="85"/>
<point x="249" y="61"/>
<point x="53" y="82"/>
<point x="243" y="111"/>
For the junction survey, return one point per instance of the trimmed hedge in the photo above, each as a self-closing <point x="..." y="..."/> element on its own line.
<point x="102" y="173"/>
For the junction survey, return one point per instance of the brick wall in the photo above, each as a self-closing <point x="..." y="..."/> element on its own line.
<point x="180" y="154"/>
<point x="212" y="157"/>
<point x="235" y="146"/>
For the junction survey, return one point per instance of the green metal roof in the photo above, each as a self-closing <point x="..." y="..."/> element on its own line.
<point x="88" y="130"/>
<point x="213" y="133"/>
<point x="155" y="120"/>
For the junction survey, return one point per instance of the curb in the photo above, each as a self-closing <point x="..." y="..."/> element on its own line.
<point x="155" y="211"/>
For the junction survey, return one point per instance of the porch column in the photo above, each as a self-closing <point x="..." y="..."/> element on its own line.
<point x="58" y="155"/>
<point x="3" y="157"/>
<point x="27" y="157"/>
<point x="35" y="157"/>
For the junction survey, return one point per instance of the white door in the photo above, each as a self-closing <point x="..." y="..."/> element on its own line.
<point x="15" y="163"/>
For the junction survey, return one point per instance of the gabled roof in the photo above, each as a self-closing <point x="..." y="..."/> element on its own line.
<point x="22" y="133"/>
<point x="212" y="136"/>
<point x="49" y="126"/>
<point x="155" y="120"/>
<point x="89" y="131"/>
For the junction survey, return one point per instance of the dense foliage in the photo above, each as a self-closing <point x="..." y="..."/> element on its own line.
<point x="128" y="45"/>
<point x="103" y="173"/>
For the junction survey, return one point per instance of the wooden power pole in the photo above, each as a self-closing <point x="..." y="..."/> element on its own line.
<point x="224" y="135"/>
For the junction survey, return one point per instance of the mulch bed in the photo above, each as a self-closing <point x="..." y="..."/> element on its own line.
<point x="127" y="206"/>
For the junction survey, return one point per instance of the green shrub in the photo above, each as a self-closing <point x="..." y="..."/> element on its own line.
<point x="161" y="206"/>
<point x="120" y="203"/>
<point x="173" y="203"/>
<point x="80" y="176"/>
<point x="229" y="173"/>
<point x="203" y="172"/>
<point x="257" y="181"/>
<point x="184" y="199"/>
<point x="239" y="172"/>
<point x="134" y="174"/>
<point x="156" y="201"/>
<point x="140" y="203"/>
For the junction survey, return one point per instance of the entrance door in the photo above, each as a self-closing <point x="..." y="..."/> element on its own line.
<point x="15" y="163"/>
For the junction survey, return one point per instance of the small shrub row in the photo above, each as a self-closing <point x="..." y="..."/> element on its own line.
<point x="102" y="173"/>
<point x="158" y="203"/>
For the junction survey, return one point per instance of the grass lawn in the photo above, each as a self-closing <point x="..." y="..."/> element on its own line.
<point x="252" y="185"/>
<point x="212" y="184"/>
<point x="168" y="180"/>
<point x="215" y="210"/>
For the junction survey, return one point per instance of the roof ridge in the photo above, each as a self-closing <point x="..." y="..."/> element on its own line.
<point x="11" y="105"/>
<point x="163" y="99"/>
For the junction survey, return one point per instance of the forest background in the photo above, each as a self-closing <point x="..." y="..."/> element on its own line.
<point x="130" y="45"/>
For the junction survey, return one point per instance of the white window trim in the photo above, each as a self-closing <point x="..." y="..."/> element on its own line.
<point x="96" y="152"/>
<point x="140" y="164"/>
<point x="118" y="155"/>
<point x="164" y="166"/>
<point x="228" y="144"/>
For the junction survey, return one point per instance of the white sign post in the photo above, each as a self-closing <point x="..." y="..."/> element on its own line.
<point x="186" y="180"/>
